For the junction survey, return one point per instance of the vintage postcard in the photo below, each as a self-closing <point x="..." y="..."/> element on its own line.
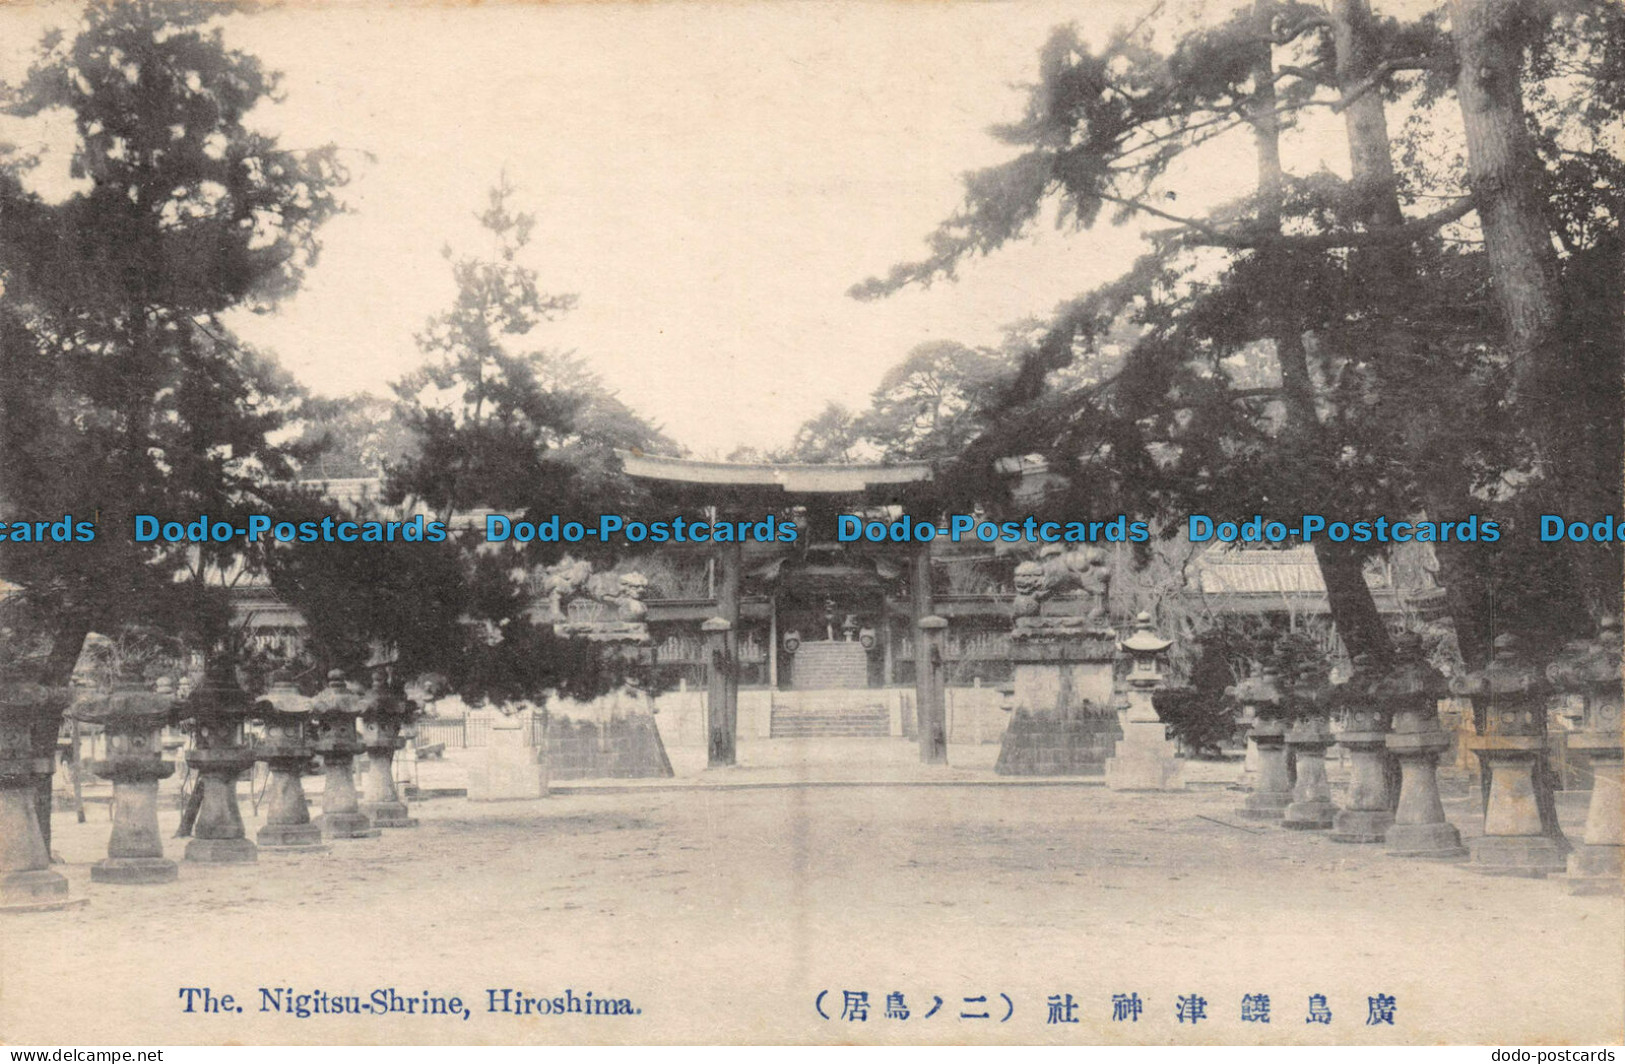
<point x="843" y="522"/>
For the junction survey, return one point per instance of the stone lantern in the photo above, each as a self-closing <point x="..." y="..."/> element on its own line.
<point x="333" y="714"/>
<point x="1510" y="697"/>
<point x="1411" y="690"/>
<point x="1309" y="737"/>
<point x="1144" y="757"/>
<point x="1273" y="792"/>
<point x="1363" y="731"/>
<point x="215" y="712"/>
<point x="384" y="713"/>
<point x="132" y="719"/>
<point x="27" y="881"/>
<point x="1592" y="668"/>
<point x="286" y="751"/>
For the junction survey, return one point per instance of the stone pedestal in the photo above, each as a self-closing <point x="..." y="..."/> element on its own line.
<point x="1312" y="808"/>
<point x="1592" y="668"/>
<point x="287" y="812"/>
<point x="135" y="852"/>
<point x="1271" y="792"/>
<point x="1512" y="843"/>
<point x="1511" y="698"/>
<point x="217" y="834"/>
<point x="1366" y="816"/>
<point x="332" y="719"/>
<point x="1598" y="865"/>
<point x="216" y="710"/>
<point x="27" y="883"/>
<point x="132" y="718"/>
<point x="1144" y="758"/>
<point x="379" y="799"/>
<point x="512" y="767"/>
<point x="286" y="752"/>
<point x="1420" y="828"/>
<point x="1411" y="689"/>
<point x="342" y="817"/>
<point x="1249" y="759"/>
<point x="1063" y="722"/>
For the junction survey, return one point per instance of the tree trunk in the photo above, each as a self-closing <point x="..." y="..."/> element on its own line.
<point x="1551" y="377"/>
<point x="66" y="645"/>
<point x="1503" y="173"/>
<point x="1354" y="610"/>
<point x="1441" y="479"/>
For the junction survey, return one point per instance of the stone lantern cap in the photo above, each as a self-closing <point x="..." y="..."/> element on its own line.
<point x="129" y="704"/>
<point x="283" y="703"/>
<point x="26" y="701"/>
<point x="1592" y="668"/>
<point x="286" y="713"/>
<point x="1412" y="689"/>
<point x="219" y="698"/>
<point x="1588" y="664"/>
<point x="1258" y="690"/>
<point x="336" y="699"/>
<point x="333" y="711"/>
<point x="386" y="700"/>
<point x="1507" y="676"/>
<point x="1145" y="640"/>
<point x="1511" y="694"/>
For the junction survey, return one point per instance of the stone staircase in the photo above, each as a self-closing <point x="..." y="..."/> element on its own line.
<point x="828" y="665"/>
<point x="829" y="714"/>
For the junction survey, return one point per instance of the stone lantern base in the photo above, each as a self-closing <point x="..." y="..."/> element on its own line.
<point x="134" y="870"/>
<point x="1420" y="828"/>
<point x="1367" y="817"/>
<point x="27" y="882"/>
<point x="1512" y="843"/>
<point x="391" y="815"/>
<point x="1597" y="866"/>
<point x="1531" y="856"/>
<point x="1273" y="791"/>
<point x="1596" y="870"/>
<point x="222" y="851"/>
<point x="287" y="819"/>
<point x="1312" y="808"/>
<point x="217" y="833"/>
<point x="349" y="826"/>
<point x="383" y="802"/>
<point x="290" y="836"/>
<point x="1361" y="825"/>
<point x="36" y="892"/>
<point x="1437" y="842"/>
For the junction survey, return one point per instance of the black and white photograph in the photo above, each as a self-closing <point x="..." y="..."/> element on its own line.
<point x="821" y="523"/>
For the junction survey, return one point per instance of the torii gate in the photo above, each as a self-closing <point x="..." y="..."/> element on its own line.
<point x="749" y="491"/>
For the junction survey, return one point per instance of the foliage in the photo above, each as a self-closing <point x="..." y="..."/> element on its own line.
<point x="1279" y="354"/>
<point x="1200" y="721"/>
<point x="120" y="391"/>
<point x="487" y="427"/>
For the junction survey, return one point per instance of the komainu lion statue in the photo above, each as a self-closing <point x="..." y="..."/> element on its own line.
<point x="1058" y="570"/>
<point x="571" y="581"/>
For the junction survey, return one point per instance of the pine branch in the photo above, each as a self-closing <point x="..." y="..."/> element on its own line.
<point x="1386" y="67"/>
<point x="1205" y="235"/>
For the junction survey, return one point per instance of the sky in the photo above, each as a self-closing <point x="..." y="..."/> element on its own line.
<point x="708" y="179"/>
